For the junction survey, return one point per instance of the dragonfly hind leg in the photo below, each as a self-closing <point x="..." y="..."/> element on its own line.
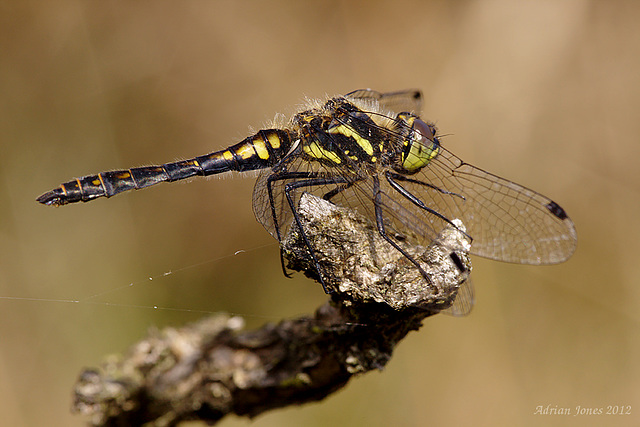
<point x="301" y="179"/>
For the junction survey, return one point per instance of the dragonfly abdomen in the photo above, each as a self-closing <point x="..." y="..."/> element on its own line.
<point x="262" y="150"/>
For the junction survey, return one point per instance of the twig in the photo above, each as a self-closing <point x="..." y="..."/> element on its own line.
<point x="209" y="369"/>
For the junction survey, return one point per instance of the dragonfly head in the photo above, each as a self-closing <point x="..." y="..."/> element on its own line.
<point x="420" y="144"/>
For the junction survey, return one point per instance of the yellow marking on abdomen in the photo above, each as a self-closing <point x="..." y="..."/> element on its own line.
<point x="274" y="140"/>
<point x="98" y="182"/>
<point x="261" y="149"/>
<point x="123" y="175"/>
<point x="245" y="152"/>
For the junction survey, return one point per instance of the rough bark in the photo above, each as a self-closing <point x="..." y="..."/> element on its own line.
<point x="212" y="368"/>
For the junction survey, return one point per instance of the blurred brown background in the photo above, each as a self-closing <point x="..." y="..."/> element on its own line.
<point x="545" y="93"/>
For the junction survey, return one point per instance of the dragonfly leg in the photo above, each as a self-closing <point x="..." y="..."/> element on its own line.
<point x="301" y="179"/>
<point x="270" y="180"/>
<point x="339" y="189"/>
<point x="399" y="177"/>
<point x="391" y="177"/>
<point x="377" y="203"/>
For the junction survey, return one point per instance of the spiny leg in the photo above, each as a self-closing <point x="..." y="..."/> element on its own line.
<point x="339" y="189"/>
<point x="309" y="183"/>
<point x="304" y="179"/>
<point x="377" y="203"/>
<point x="270" y="180"/>
<point x="400" y="177"/>
<point x="419" y="203"/>
<point x="280" y="176"/>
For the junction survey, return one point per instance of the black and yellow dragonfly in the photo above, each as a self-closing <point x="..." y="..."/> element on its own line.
<point x="370" y="152"/>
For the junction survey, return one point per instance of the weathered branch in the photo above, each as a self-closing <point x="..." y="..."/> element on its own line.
<point x="211" y="368"/>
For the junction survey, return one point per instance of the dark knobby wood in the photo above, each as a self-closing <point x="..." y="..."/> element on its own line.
<point x="212" y="368"/>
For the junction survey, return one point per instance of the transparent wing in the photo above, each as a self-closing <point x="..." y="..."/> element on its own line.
<point x="508" y="222"/>
<point x="463" y="304"/>
<point x="409" y="101"/>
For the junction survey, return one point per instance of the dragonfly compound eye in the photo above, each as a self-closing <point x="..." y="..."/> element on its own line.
<point x="427" y="130"/>
<point x="421" y="146"/>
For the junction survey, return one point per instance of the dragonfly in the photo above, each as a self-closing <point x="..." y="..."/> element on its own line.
<point x="370" y="152"/>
